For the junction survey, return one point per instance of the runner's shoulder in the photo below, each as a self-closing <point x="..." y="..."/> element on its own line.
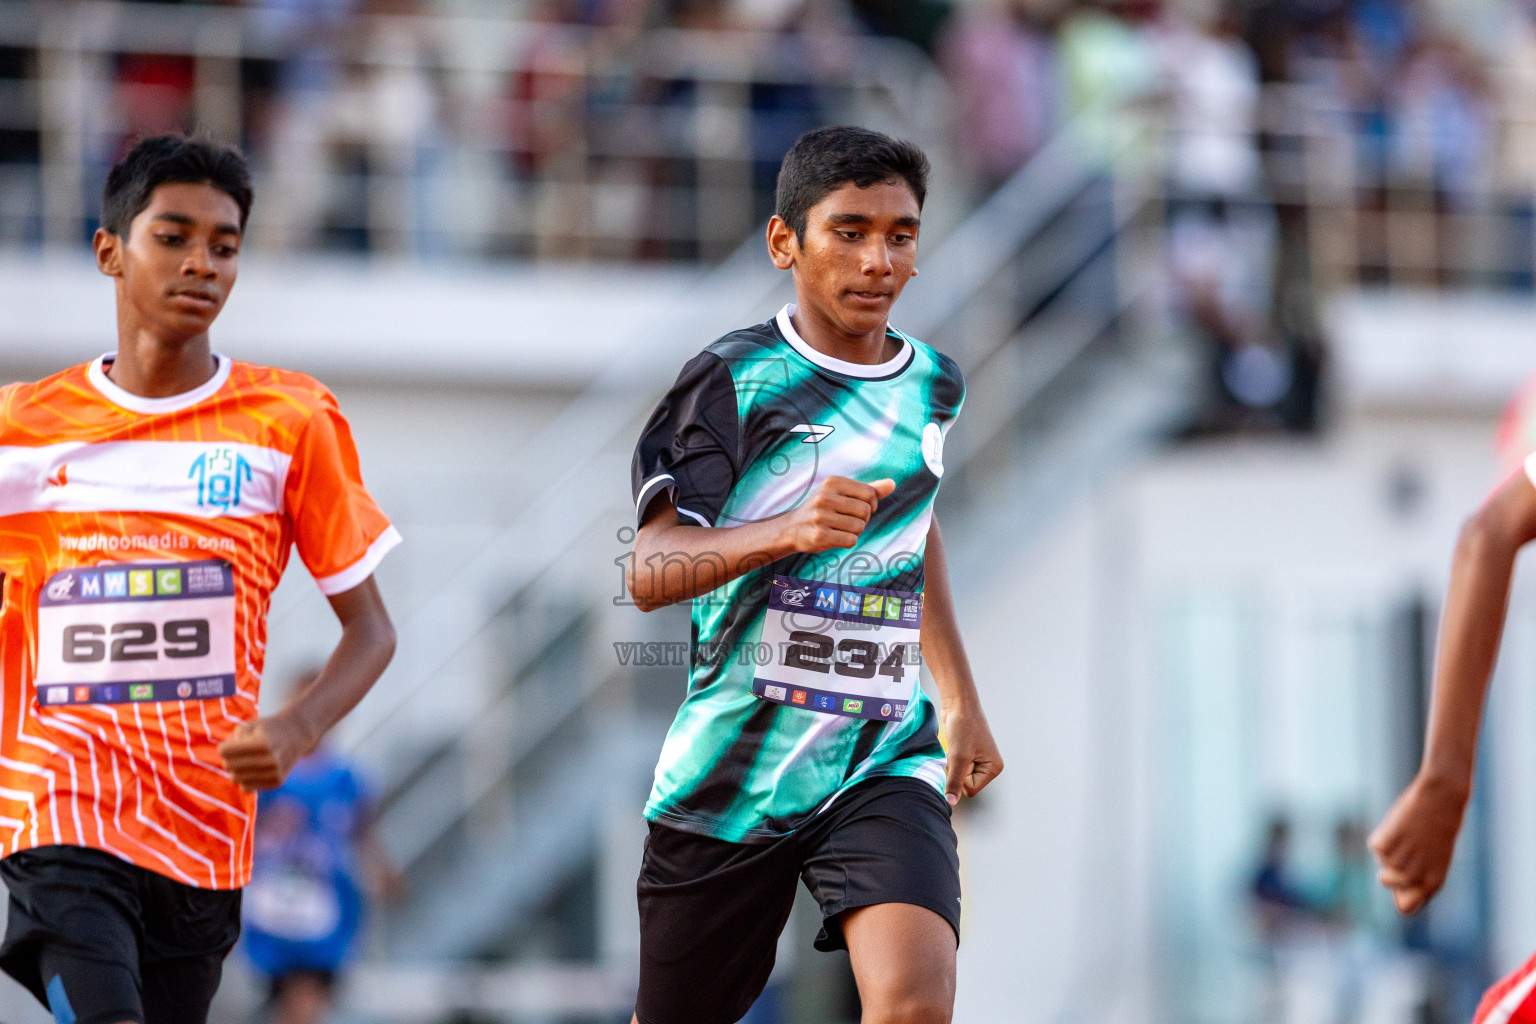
<point x="31" y="412"/>
<point x="948" y="382"/>
<point x="747" y="351"/>
<point x="291" y="398"/>
<point x="284" y="385"/>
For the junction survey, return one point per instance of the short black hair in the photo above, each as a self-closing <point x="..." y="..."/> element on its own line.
<point x="172" y="159"/>
<point x="823" y="160"/>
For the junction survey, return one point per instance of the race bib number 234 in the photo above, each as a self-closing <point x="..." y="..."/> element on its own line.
<point x="840" y="650"/>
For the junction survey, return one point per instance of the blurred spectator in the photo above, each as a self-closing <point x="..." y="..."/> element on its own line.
<point x="1214" y="106"/>
<point x="1110" y="74"/>
<point x="1385" y="28"/>
<point x="1001" y="63"/>
<point x="782" y="109"/>
<point x="1351" y="890"/>
<point x="1287" y="920"/>
<point x="1515" y="167"/>
<point x="354" y="163"/>
<point x="1279" y="899"/>
<point x="1442" y="118"/>
<point x="680" y="219"/>
<point x="20" y="154"/>
<point x="549" y="124"/>
<point x="920" y="22"/>
<point x="154" y="94"/>
<point x="1221" y="230"/>
<point x="290" y="115"/>
<point x="316" y="854"/>
<point x="1443" y="137"/>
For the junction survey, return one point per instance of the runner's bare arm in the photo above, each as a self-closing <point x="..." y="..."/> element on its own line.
<point x="675" y="561"/>
<point x="974" y="760"/>
<point x="259" y="754"/>
<point x="1415" y="840"/>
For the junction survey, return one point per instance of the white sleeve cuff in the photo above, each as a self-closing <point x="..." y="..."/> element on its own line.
<point x="649" y="490"/>
<point x="360" y="570"/>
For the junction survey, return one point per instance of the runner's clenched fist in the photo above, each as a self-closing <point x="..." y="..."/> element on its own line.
<point x="835" y="514"/>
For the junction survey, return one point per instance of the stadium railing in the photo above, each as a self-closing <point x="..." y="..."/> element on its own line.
<point x="439" y="136"/>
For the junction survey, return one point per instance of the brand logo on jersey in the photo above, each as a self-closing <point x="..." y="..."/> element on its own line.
<point x="57" y="478"/>
<point x="141" y="691"/>
<point x="850" y="603"/>
<point x="56" y="695"/>
<point x="933" y="449"/>
<point x="853" y="707"/>
<point x="823" y="700"/>
<point x="799" y="697"/>
<point x="826" y="599"/>
<point x="184" y="690"/>
<point x="220" y="473"/>
<point x="775" y="692"/>
<point x="814" y="432"/>
<point x="885" y="711"/>
<point x="60" y="589"/>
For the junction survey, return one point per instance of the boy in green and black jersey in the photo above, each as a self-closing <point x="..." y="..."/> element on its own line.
<point x="787" y="482"/>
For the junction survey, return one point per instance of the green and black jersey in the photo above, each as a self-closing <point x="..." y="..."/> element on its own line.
<point x="804" y="674"/>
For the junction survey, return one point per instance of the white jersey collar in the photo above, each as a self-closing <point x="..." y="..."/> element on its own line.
<point x="151" y="406"/>
<point x="889" y="368"/>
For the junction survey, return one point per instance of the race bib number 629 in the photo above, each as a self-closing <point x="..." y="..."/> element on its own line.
<point x="129" y="632"/>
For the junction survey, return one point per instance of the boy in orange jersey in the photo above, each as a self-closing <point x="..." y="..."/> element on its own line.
<point x="148" y="502"/>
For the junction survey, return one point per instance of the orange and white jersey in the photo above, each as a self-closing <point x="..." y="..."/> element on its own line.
<point x="140" y="542"/>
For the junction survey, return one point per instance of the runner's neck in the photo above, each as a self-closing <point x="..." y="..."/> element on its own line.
<point x="870" y="349"/>
<point x="150" y="368"/>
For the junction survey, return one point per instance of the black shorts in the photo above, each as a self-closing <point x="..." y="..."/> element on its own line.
<point x="711" y="911"/>
<point x="99" y="940"/>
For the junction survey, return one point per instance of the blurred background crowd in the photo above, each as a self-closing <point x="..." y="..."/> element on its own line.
<point x="1244" y="293"/>
<point x="1377" y="141"/>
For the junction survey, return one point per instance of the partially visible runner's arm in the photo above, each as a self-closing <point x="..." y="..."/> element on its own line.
<point x="259" y="754"/>
<point x="676" y="561"/>
<point x="1415" y="840"/>
<point x="972" y="754"/>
